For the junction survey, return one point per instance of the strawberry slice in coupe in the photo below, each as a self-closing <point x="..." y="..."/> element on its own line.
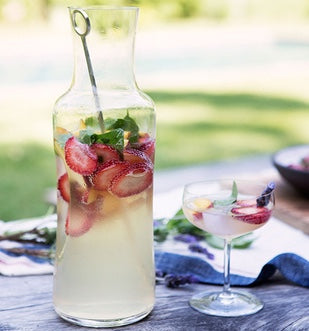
<point x="104" y="152"/>
<point x="197" y="216"/>
<point x="199" y="205"/>
<point x="103" y="177"/>
<point x="79" y="157"/>
<point x="246" y="203"/>
<point x="132" y="180"/>
<point x="252" y="215"/>
<point x="64" y="187"/>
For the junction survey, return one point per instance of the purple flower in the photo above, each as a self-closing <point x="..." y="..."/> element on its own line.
<point x="174" y="281"/>
<point x="157" y="223"/>
<point x="160" y="273"/>
<point x="202" y="250"/>
<point x="264" y="198"/>
<point x="187" y="238"/>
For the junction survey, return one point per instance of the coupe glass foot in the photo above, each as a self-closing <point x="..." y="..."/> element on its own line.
<point x="229" y="304"/>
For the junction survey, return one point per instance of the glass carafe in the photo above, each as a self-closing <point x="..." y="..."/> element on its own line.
<point x="104" y="139"/>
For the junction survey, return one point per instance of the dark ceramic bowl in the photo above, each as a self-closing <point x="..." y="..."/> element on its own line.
<point x="282" y="160"/>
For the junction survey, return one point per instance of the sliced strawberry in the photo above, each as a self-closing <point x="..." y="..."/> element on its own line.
<point x="197" y="216"/>
<point x="145" y="144"/>
<point x="148" y="147"/>
<point x="85" y="209"/>
<point x="135" y="156"/>
<point x="246" y="203"/>
<point x="79" y="157"/>
<point x="78" y="222"/>
<point x="64" y="187"/>
<point x="132" y="180"/>
<point x="253" y="215"/>
<point x="103" y="177"/>
<point x="79" y="193"/>
<point x="104" y="152"/>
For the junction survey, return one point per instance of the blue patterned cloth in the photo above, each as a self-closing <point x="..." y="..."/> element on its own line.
<point x="292" y="267"/>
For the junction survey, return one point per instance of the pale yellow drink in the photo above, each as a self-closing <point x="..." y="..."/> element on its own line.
<point x="104" y="264"/>
<point x="107" y="273"/>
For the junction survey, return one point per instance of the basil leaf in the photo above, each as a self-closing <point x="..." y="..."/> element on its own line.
<point x="243" y="241"/>
<point x="160" y="234"/>
<point x="230" y="200"/>
<point x="109" y="123"/>
<point x="92" y="121"/>
<point x="85" y="136"/>
<point x="180" y="224"/>
<point x="127" y="124"/>
<point x="240" y="243"/>
<point x="114" y="138"/>
<point x="214" y="241"/>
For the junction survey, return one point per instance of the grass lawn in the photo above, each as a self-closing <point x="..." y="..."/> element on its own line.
<point x="192" y="127"/>
<point x="195" y="127"/>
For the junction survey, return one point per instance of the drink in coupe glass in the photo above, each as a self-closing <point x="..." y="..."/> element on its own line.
<point x="104" y="139"/>
<point x="227" y="209"/>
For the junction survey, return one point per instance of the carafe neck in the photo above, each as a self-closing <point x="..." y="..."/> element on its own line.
<point x="106" y="50"/>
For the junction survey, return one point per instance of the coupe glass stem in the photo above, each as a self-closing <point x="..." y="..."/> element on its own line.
<point x="227" y="254"/>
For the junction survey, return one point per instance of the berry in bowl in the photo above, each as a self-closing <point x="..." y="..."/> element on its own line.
<point x="293" y="165"/>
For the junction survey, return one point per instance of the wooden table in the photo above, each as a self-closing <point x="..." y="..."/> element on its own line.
<point x="26" y="305"/>
<point x="26" y="302"/>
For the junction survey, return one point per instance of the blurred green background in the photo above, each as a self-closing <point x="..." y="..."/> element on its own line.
<point x="229" y="79"/>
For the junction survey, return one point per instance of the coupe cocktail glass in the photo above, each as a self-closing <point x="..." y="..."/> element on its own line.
<point x="227" y="209"/>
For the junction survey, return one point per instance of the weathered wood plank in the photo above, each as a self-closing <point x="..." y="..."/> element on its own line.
<point x="26" y="305"/>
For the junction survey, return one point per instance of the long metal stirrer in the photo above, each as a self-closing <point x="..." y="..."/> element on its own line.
<point x="83" y="35"/>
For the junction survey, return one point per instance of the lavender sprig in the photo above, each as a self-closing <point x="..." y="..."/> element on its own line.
<point x="202" y="250"/>
<point x="36" y="235"/>
<point x="188" y="238"/>
<point x="43" y="253"/>
<point x="174" y="281"/>
<point x="160" y="273"/>
<point x="264" y="198"/>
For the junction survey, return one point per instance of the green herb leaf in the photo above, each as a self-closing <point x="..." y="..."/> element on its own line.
<point x="180" y="224"/>
<point x="241" y="242"/>
<point x="114" y="138"/>
<point x="127" y="124"/>
<point x="85" y="135"/>
<point x="115" y="131"/>
<point x="160" y="234"/>
<point x="214" y="241"/>
<point x="92" y="121"/>
<point x="109" y="122"/>
<point x="230" y="200"/>
<point x="48" y="234"/>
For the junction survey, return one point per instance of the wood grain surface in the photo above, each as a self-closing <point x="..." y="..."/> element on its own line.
<point x="26" y="305"/>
